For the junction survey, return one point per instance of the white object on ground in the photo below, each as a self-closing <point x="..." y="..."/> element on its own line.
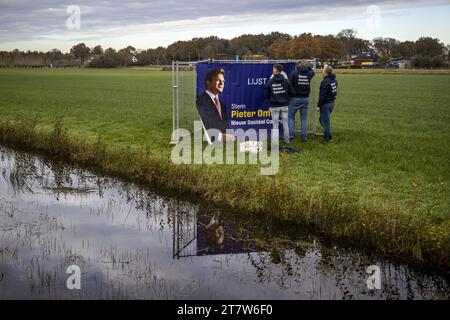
<point x="250" y="146"/>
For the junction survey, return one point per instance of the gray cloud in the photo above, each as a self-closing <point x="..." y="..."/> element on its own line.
<point x="34" y="20"/>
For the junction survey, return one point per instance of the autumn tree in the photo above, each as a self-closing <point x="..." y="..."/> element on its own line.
<point x="385" y="58"/>
<point x="182" y="50"/>
<point x="126" y="55"/>
<point x="331" y="47"/>
<point x="385" y="46"/>
<point x="55" y="55"/>
<point x="158" y="56"/>
<point x="352" y="43"/>
<point x="404" y="49"/>
<point x="279" y="48"/>
<point x="97" y="49"/>
<point x="347" y="36"/>
<point x="80" y="51"/>
<point x="304" y="46"/>
<point x="430" y="47"/>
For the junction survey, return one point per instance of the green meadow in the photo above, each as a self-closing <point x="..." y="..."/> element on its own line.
<point x="383" y="183"/>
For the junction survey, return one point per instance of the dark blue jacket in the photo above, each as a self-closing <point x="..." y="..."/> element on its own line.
<point x="209" y="115"/>
<point x="278" y="90"/>
<point x="328" y="90"/>
<point x="300" y="80"/>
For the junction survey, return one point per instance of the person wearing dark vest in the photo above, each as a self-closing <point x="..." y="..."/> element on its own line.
<point x="212" y="110"/>
<point x="278" y="90"/>
<point x="300" y="80"/>
<point x="327" y="97"/>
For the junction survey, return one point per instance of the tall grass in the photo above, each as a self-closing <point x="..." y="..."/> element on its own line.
<point x="404" y="233"/>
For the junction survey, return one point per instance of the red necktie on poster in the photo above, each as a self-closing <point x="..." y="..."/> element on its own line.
<point x="219" y="109"/>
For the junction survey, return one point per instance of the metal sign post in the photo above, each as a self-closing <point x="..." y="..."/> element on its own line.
<point x="314" y="104"/>
<point x="174" y="102"/>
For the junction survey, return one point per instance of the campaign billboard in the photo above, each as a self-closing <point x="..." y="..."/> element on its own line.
<point x="243" y="93"/>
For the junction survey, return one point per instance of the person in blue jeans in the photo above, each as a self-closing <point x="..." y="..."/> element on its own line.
<point x="300" y="80"/>
<point x="327" y="97"/>
<point x="278" y="91"/>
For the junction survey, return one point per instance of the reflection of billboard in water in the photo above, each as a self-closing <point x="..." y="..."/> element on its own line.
<point x="198" y="234"/>
<point x="218" y="237"/>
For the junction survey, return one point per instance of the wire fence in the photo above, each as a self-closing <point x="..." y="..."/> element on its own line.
<point x="184" y="87"/>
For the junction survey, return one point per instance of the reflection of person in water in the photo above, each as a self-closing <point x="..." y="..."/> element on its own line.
<point x="215" y="233"/>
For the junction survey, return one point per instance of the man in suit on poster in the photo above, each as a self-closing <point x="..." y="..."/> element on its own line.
<point x="212" y="110"/>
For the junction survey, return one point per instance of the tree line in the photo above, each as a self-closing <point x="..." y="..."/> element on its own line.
<point x="426" y="52"/>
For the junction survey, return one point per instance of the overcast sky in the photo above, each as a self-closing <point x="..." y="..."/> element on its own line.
<point x="46" y="24"/>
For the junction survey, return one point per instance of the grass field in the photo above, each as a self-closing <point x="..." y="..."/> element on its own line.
<point x="389" y="163"/>
<point x="395" y="71"/>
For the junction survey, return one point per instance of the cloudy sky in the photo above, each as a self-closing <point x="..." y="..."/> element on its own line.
<point x="47" y="24"/>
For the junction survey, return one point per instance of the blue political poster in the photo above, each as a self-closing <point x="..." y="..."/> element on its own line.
<point x="243" y="93"/>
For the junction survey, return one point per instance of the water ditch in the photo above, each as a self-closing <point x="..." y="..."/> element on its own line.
<point x="132" y="243"/>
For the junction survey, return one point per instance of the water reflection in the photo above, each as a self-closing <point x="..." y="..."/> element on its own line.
<point x="203" y="232"/>
<point x="131" y="243"/>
